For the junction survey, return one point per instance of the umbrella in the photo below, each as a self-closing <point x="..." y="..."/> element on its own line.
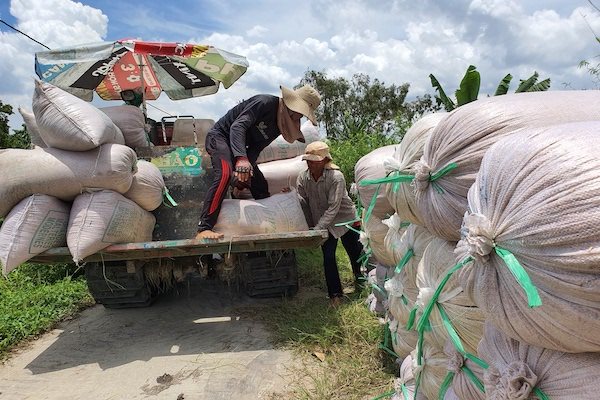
<point x="180" y="70"/>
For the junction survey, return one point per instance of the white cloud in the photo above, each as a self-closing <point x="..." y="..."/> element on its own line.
<point x="397" y="41"/>
<point x="257" y="31"/>
<point x="496" y="8"/>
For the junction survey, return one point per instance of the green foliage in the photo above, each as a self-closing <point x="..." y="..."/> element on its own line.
<point x="470" y="84"/>
<point x="503" y="85"/>
<point x="362" y="103"/>
<point x="346" y="152"/>
<point x="469" y="87"/>
<point x="32" y="300"/>
<point x="19" y="139"/>
<point x="466" y="93"/>
<point x="532" y="85"/>
<point x="593" y="70"/>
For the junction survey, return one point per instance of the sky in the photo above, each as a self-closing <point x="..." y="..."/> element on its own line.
<point x="394" y="41"/>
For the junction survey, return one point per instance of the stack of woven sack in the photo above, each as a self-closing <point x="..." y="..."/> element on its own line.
<point x="81" y="185"/>
<point x="507" y="298"/>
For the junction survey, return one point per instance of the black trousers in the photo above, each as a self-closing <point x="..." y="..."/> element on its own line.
<point x="354" y="250"/>
<point x="222" y="164"/>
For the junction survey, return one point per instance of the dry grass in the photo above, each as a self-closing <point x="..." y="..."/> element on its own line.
<point x="338" y="347"/>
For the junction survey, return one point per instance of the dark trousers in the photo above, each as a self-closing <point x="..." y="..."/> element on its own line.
<point x="354" y="250"/>
<point x="222" y="164"/>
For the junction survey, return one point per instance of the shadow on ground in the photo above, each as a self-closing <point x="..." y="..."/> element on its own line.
<point x="194" y="318"/>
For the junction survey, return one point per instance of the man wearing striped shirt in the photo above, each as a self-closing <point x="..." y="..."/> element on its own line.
<point x="325" y="202"/>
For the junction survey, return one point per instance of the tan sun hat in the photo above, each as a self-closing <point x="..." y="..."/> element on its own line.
<point x="304" y="100"/>
<point x="318" y="151"/>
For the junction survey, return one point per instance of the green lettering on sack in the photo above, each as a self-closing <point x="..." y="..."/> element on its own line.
<point x="122" y="223"/>
<point x="51" y="232"/>
<point x="180" y="161"/>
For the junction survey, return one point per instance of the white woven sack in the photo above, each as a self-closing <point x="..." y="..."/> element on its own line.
<point x="403" y="341"/>
<point x="405" y="384"/>
<point x="372" y="237"/>
<point x="536" y="197"/>
<point x="466" y="319"/>
<point x="432" y="370"/>
<point x="517" y="370"/>
<point x="408" y="250"/>
<point x="63" y="174"/>
<point x="376" y="278"/>
<point x="280" y="149"/>
<point x="401" y="196"/>
<point x="282" y="173"/>
<point x="132" y="123"/>
<point x="279" y="174"/>
<point x="99" y="219"/>
<point x="69" y="123"/>
<point x="276" y="214"/>
<point x="32" y="128"/>
<point x="147" y="187"/>
<point x="370" y="166"/>
<point x="467" y="132"/>
<point x="463" y="386"/>
<point x="36" y="224"/>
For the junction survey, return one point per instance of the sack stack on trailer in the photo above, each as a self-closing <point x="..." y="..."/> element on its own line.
<point x="506" y="190"/>
<point x="81" y="151"/>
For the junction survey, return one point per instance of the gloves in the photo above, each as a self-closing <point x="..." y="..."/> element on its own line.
<point x="243" y="169"/>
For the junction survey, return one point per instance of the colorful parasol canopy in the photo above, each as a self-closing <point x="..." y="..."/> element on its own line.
<point x="180" y="70"/>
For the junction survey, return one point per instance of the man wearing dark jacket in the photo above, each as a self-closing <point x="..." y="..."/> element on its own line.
<point x="237" y="139"/>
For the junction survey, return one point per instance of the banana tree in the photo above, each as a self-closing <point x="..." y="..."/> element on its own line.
<point x="468" y="90"/>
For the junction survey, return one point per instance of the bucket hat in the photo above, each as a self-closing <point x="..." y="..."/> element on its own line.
<point x="304" y="100"/>
<point x="318" y="151"/>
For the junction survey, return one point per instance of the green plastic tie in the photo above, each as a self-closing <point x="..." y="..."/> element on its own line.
<point x="372" y="204"/>
<point x="538" y="392"/>
<point x="477" y="360"/>
<point x="445" y="385"/>
<point x="167" y="197"/>
<point x="450" y="329"/>
<point x="365" y="255"/>
<point x="392" y="178"/>
<point x="405" y="259"/>
<point x="404" y="225"/>
<point x="411" y="318"/>
<point x="405" y="393"/>
<point x="346" y="223"/>
<point x="385" y="346"/>
<point x="376" y="286"/>
<point x="473" y="378"/>
<point x="517" y="270"/>
<point x="427" y="311"/>
<point x="437" y="187"/>
<point x="442" y="172"/>
<point x="404" y="300"/>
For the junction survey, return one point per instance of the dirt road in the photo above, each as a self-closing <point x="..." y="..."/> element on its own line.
<point x="187" y="346"/>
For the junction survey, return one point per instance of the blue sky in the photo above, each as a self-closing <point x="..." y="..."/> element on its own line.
<point x="394" y="41"/>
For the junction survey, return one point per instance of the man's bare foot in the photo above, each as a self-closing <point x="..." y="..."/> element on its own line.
<point x="209" y="235"/>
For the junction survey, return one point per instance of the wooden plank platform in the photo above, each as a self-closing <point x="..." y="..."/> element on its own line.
<point x="191" y="247"/>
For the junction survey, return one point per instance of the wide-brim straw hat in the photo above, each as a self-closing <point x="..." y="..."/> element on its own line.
<point x="319" y="151"/>
<point x="304" y="100"/>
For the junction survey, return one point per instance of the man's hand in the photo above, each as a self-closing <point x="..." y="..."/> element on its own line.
<point x="286" y="189"/>
<point x="243" y="169"/>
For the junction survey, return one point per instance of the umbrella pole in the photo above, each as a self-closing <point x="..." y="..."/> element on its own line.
<point x="141" y="65"/>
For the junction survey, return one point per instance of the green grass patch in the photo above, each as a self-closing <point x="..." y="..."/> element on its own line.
<point x="34" y="297"/>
